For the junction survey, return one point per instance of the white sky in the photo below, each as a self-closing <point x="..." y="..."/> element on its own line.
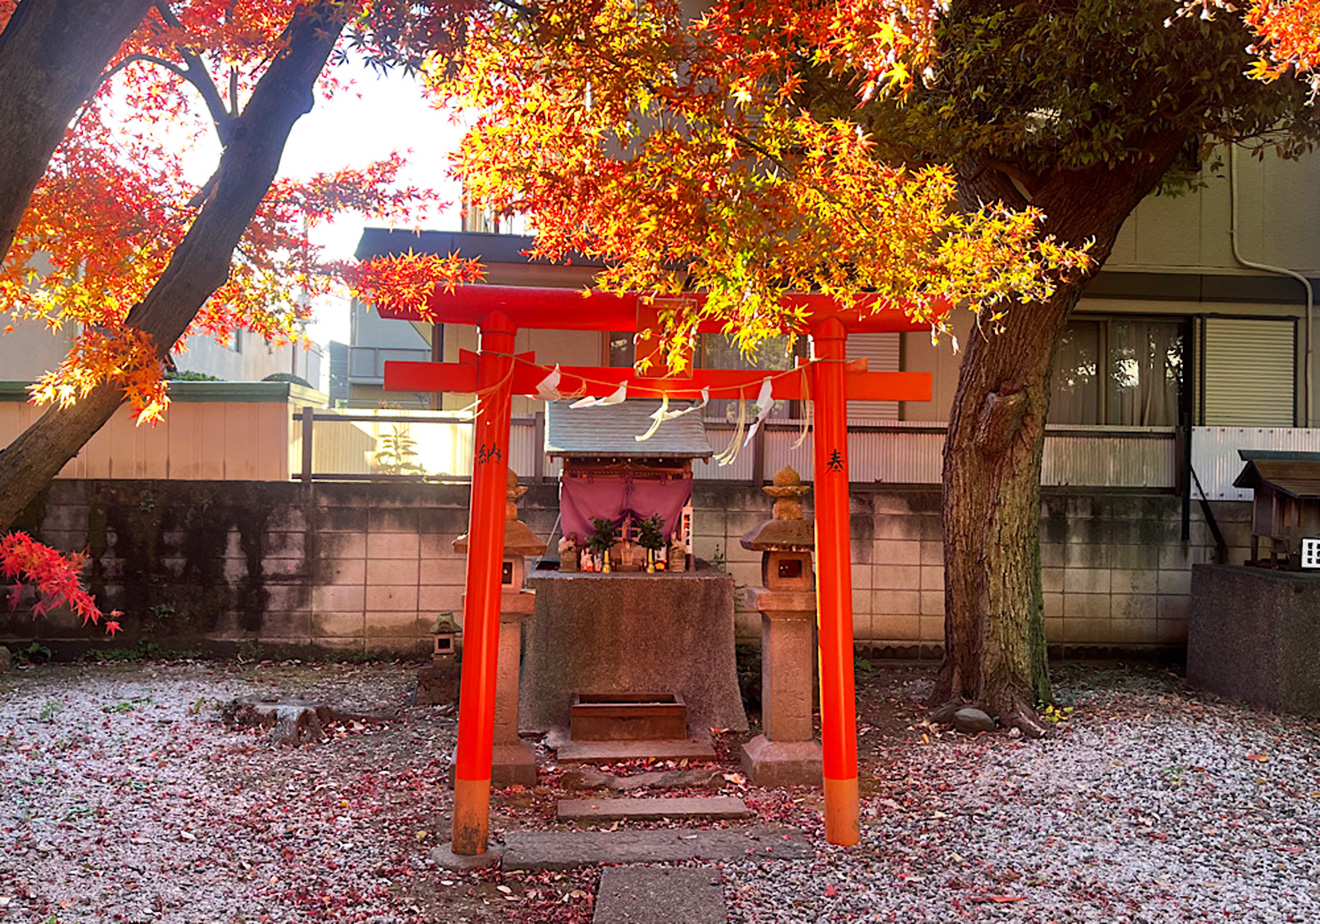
<point x="365" y="123"/>
<point x="378" y="116"/>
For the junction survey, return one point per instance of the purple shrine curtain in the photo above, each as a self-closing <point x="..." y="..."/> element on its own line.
<point x="612" y="497"/>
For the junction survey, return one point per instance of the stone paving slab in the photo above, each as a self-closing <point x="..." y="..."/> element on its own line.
<point x="445" y="858"/>
<point x="638" y="895"/>
<point x="582" y="752"/>
<point x="591" y="810"/>
<point x="536" y="850"/>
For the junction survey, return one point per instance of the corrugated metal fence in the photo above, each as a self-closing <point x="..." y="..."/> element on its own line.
<point x="1215" y="453"/>
<point x="364" y="445"/>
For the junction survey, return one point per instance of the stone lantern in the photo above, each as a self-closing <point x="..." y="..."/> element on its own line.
<point x="438" y="684"/>
<point x="513" y="760"/>
<point x="445" y="632"/>
<point x="787" y="753"/>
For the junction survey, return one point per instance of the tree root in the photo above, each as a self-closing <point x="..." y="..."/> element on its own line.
<point x="1015" y="713"/>
<point x="1011" y="713"/>
<point x="292" y="722"/>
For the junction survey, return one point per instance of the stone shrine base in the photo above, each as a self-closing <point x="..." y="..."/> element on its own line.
<point x="782" y="763"/>
<point x="1253" y="636"/>
<point x="628" y="632"/>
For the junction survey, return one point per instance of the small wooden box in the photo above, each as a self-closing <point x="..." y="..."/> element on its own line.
<point x="627" y="717"/>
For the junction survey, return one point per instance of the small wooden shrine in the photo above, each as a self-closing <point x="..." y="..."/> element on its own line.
<point x="1286" y="504"/>
<point x="610" y="474"/>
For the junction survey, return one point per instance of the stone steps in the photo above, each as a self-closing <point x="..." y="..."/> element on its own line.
<point x="560" y="850"/>
<point x="590" y="811"/>
<point x="609" y="752"/>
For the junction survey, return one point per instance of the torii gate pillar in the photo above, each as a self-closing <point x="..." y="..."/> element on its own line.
<point x="838" y="705"/>
<point x="481" y="611"/>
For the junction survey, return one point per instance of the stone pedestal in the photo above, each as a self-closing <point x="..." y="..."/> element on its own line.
<point x="438" y="684"/>
<point x="632" y="632"/>
<point x="1253" y="635"/>
<point x="513" y="761"/>
<point x="787" y="754"/>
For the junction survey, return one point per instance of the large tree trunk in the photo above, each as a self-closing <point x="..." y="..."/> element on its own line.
<point x="52" y="53"/>
<point x="994" y="622"/>
<point x="200" y="265"/>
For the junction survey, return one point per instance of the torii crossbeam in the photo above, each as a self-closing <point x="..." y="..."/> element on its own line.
<point x="494" y="373"/>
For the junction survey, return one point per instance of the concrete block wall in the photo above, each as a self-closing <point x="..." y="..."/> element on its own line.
<point x="360" y="567"/>
<point x="212" y="566"/>
<point x="1115" y="570"/>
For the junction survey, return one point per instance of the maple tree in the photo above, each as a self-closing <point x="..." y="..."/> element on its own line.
<point x="760" y="147"/>
<point x="102" y="234"/>
<point x="727" y="186"/>
<point x="54" y="577"/>
<point x="1287" y="35"/>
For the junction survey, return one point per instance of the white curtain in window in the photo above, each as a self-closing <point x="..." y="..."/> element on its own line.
<point x="1076" y="382"/>
<point x="1145" y="371"/>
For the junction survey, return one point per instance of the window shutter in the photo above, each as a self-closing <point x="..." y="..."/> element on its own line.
<point x="881" y="351"/>
<point x="1249" y="373"/>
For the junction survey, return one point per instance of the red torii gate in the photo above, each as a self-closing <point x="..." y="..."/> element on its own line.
<point x="494" y="373"/>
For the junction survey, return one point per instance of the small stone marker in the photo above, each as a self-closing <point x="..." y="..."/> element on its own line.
<point x="592" y="810"/>
<point x="537" y="850"/>
<point x="637" y="895"/>
<point x="969" y="721"/>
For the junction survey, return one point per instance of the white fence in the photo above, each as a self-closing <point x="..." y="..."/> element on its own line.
<point x="1215" y="456"/>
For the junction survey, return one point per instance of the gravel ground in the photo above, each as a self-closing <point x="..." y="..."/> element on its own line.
<point x="123" y="798"/>
<point x="1146" y="805"/>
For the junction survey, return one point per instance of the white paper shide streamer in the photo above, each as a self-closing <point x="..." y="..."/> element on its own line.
<point x="548" y="388"/>
<point x="764" y="403"/>
<point x="663" y="413"/>
<point x="619" y="396"/>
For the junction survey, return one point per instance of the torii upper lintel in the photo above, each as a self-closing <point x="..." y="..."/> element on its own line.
<point x="576" y="309"/>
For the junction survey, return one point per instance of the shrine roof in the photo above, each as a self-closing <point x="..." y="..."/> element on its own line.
<point x="612" y="430"/>
<point x="1296" y="474"/>
<point x="490" y="248"/>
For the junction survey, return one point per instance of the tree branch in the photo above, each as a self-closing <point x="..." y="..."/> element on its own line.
<point x="201" y="262"/>
<point x="133" y="59"/>
<point x="51" y="54"/>
<point x="1030" y="182"/>
<point x="518" y="8"/>
<point x="197" y="75"/>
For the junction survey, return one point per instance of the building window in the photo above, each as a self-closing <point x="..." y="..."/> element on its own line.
<point x="772" y="354"/>
<point x="619" y="348"/>
<point x="1121" y="372"/>
<point x="716" y="351"/>
<point x="231" y="340"/>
